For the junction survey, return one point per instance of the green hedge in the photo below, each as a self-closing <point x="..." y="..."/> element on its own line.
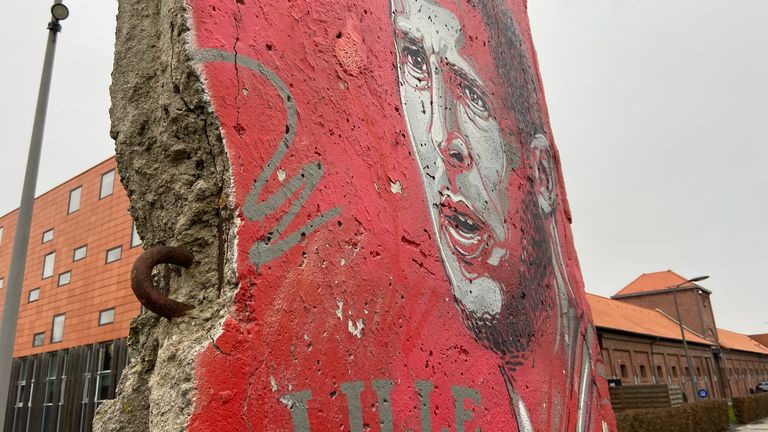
<point x="707" y="416"/>
<point x="750" y="408"/>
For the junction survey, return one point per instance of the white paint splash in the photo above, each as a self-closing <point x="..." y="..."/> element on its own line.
<point x="395" y="186"/>
<point x="340" y="310"/>
<point x="356" y="328"/>
<point x="280" y="175"/>
<point x="273" y="383"/>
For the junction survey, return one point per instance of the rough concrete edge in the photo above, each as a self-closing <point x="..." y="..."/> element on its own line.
<point x="180" y="193"/>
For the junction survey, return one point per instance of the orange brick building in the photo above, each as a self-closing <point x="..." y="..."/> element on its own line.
<point x="76" y="303"/>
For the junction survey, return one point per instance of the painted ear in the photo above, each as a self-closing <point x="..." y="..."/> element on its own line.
<point x="543" y="170"/>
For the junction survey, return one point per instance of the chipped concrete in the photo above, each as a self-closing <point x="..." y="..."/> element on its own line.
<point x="355" y="327"/>
<point x="172" y="162"/>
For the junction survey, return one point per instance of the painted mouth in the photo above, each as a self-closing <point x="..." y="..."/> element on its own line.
<point x="465" y="230"/>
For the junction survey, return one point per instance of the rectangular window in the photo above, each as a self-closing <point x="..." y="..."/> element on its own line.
<point x="643" y="373"/>
<point x="48" y="236"/>
<point x="65" y="278"/>
<point x="74" y="199"/>
<point x="114" y="254"/>
<point x="104" y="375"/>
<point x="48" y="262"/>
<point x="674" y="371"/>
<point x="624" y="371"/>
<point x="38" y="339"/>
<point x="2" y="283"/>
<point x="135" y="239"/>
<point x="107" y="184"/>
<point x="107" y="316"/>
<point x="33" y="296"/>
<point x="57" y="329"/>
<point x="50" y="392"/>
<point x="80" y="253"/>
<point x="1" y="235"/>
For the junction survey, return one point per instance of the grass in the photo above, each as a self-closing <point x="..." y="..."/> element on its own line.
<point x="731" y="415"/>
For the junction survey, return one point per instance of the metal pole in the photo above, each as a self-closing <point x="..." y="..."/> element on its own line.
<point x="21" y="237"/>
<point x="685" y="344"/>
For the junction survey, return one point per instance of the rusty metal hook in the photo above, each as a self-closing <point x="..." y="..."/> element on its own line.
<point x="144" y="288"/>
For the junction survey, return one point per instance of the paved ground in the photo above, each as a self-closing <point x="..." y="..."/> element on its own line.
<point x="762" y="425"/>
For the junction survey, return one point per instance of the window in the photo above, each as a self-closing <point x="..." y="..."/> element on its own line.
<point x="48" y="265"/>
<point x="624" y="371"/>
<point x="698" y="371"/>
<point x="659" y="372"/>
<point x="38" y="339"/>
<point x="62" y="389"/>
<point x="107" y="184"/>
<point x="80" y="253"/>
<point x="107" y="316"/>
<point x="50" y="392"/>
<point x="104" y="374"/>
<point x="48" y="236"/>
<point x="34" y="295"/>
<point x="74" y="200"/>
<point x="65" y="278"/>
<point x="674" y="371"/>
<point x="2" y="283"/>
<point x="1" y="235"/>
<point x="57" y="329"/>
<point x="114" y="254"/>
<point x="135" y="239"/>
<point x="643" y="373"/>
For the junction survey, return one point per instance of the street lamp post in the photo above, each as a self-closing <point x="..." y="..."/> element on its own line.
<point x="682" y="332"/>
<point x="10" y="316"/>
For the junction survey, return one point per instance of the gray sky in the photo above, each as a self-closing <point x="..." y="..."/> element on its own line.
<point x="657" y="107"/>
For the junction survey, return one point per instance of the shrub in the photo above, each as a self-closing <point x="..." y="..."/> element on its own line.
<point x="707" y="416"/>
<point x="750" y="408"/>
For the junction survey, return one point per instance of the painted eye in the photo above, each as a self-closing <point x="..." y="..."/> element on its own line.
<point x="475" y="100"/>
<point x="416" y="66"/>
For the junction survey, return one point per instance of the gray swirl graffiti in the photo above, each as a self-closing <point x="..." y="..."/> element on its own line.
<point x="255" y="208"/>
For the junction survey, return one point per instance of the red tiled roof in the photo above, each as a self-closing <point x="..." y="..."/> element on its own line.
<point x="617" y="315"/>
<point x="741" y="342"/>
<point x="648" y="282"/>
<point x="762" y="338"/>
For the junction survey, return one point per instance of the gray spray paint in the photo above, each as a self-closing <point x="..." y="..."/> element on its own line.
<point x="255" y="208"/>
<point x="352" y="391"/>
<point x="297" y="405"/>
<point x="463" y="415"/>
<point x="424" y="388"/>
<point x="383" y="390"/>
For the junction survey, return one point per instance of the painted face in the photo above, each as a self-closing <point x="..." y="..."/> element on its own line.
<point x="459" y="146"/>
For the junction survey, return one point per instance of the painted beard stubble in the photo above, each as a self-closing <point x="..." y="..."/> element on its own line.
<point x="527" y="294"/>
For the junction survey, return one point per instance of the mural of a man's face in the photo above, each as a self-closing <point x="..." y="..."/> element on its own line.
<point x="460" y="149"/>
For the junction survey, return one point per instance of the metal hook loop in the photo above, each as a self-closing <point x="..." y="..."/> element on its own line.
<point x="144" y="288"/>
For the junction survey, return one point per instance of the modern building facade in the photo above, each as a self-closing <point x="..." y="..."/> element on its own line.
<point x="76" y="304"/>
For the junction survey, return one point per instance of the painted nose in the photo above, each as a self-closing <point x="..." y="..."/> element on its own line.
<point x="446" y="136"/>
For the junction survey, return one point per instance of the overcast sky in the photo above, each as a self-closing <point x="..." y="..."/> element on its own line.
<point x="658" y="108"/>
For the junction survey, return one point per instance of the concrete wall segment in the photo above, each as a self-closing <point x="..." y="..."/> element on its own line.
<point x="375" y="208"/>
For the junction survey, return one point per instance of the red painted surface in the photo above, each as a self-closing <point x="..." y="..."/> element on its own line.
<point x="365" y="297"/>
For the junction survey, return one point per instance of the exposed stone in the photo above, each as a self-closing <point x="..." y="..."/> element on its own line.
<point x="172" y="161"/>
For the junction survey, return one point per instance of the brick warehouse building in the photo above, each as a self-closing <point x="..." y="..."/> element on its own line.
<point x="76" y="303"/>
<point x="77" y="306"/>
<point x="641" y="342"/>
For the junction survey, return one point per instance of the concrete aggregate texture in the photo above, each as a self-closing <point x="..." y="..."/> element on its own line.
<point x="606" y="67"/>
